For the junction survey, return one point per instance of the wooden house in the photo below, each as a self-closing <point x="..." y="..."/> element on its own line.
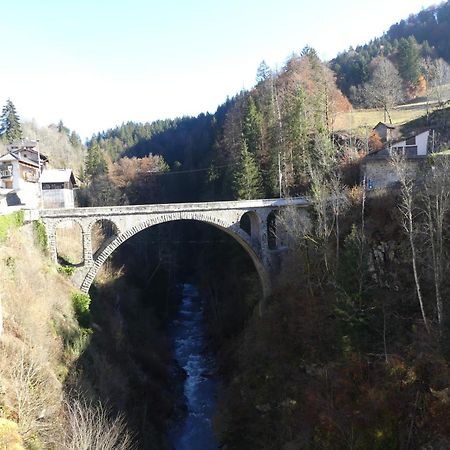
<point x="57" y="187"/>
<point x="20" y="170"/>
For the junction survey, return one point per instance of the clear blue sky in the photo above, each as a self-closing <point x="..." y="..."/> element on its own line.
<point x="96" y="63"/>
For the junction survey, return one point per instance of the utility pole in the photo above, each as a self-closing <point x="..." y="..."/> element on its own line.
<point x="40" y="173"/>
<point x="280" y="174"/>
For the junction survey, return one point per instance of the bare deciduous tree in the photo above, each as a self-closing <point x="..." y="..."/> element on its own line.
<point x="90" y="427"/>
<point x="384" y="89"/>
<point x="436" y="205"/>
<point x="407" y="208"/>
<point x="437" y="76"/>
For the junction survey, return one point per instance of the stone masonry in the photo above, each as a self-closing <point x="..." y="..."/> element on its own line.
<point x="129" y="220"/>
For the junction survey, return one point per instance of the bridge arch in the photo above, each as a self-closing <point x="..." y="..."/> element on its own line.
<point x="69" y="248"/>
<point x="229" y="227"/>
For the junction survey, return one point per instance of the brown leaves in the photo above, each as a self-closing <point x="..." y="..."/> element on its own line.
<point x="131" y="170"/>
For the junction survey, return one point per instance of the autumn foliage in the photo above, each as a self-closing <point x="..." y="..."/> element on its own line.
<point x="375" y="142"/>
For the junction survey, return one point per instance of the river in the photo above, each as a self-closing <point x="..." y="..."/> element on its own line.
<point x="188" y="334"/>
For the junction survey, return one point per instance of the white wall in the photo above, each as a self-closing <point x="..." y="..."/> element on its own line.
<point x="422" y="143"/>
<point x="58" y="198"/>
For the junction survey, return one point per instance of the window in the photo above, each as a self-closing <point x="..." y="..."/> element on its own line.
<point x="411" y="151"/>
<point x="6" y="171"/>
<point x="50" y="186"/>
<point x="398" y="151"/>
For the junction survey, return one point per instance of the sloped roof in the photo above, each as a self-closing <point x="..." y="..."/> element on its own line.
<point x="8" y="157"/>
<point x="391" y="127"/>
<point x="13" y="156"/>
<point x="28" y="145"/>
<point x="57" y="176"/>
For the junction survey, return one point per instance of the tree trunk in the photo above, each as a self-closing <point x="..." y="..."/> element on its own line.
<point x="414" y="266"/>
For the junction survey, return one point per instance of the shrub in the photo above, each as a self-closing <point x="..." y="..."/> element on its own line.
<point x="66" y="270"/>
<point x="9" y="435"/>
<point x="41" y="235"/>
<point x="91" y="426"/>
<point x="10" y="222"/>
<point x="81" y="303"/>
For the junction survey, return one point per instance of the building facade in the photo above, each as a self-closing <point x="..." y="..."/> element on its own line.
<point x="378" y="170"/>
<point x="57" y="188"/>
<point x="20" y="170"/>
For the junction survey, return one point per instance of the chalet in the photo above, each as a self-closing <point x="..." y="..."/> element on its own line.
<point x="57" y="187"/>
<point x="377" y="169"/>
<point x="20" y="169"/>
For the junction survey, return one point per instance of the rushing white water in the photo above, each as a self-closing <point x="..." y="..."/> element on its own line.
<point x="188" y="334"/>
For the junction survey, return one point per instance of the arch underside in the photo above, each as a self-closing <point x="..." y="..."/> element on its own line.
<point x="232" y="230"/>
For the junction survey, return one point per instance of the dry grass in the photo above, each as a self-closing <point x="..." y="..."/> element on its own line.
<point x="38" y="345"/>
<point x="360" y="118"/>
<point x="35" y="300"/>
<point x="69" y="242"/>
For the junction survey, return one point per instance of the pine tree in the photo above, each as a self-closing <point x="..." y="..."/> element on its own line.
<point x="263" y="72"/>
<point x="95" y="162"/>
<point x="10" y="127"/>
<point x="247" y="181"/>
<point x="408" y="60"/>
<point x="251" y="127"/>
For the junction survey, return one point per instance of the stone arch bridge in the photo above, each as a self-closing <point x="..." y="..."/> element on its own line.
<point x="228" y="216"/>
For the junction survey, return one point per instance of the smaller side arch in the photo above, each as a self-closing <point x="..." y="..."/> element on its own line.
<point x="272" y="230"/>
<point x="69" y="242"/>
<point x="251" y="224"/>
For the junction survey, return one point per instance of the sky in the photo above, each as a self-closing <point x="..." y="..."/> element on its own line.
<point x="98" y="63"/>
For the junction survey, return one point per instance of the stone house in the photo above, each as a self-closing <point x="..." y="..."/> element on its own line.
<point x="376" y="167"/>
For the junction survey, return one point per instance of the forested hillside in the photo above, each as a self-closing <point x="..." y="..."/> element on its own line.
<point x="418" y="47"/>
<point x="277" y="131"/>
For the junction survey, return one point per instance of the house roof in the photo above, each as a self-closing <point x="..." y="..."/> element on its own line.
<point x="57" y="176"/>
<point x="8" y="157"/>
<point x="385" y="125"/>
<point x="31" y="150"/>
<point x="12" y="157"/>
<point x="26" y="145"/>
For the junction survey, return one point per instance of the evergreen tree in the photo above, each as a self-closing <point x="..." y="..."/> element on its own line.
<point x="63" y="129"/>
<point x="10" y="127"/>
<point x="251" y="127"/>
<point x="95" y="162"/>
<point x="263" y="72"/>
<point x="408" y="60"/>
<point x="247" y="181"/>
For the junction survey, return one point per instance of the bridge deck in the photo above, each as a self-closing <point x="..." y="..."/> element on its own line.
<point x="174" y="207"/>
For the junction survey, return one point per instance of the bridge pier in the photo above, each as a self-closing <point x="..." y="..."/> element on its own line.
<point x="88" y="258"/>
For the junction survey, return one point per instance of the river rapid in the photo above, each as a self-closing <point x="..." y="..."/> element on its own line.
<point x="188" y="334"/>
